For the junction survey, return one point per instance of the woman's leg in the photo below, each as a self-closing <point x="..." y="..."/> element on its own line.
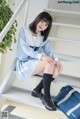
<point x="40" y="71"/>
<point x="44" y="67"/>
<point x="47" y="70"/>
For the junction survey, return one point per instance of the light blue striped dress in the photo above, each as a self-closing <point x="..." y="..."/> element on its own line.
<point x="29" y="52"/>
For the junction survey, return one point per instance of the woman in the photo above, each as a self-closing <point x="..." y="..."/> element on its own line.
<point x="36" y="56"/>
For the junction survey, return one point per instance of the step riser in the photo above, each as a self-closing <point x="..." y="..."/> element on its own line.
<point x="56" y="85"/>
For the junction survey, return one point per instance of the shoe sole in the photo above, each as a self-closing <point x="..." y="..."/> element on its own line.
<point x="37" y="96"/>
<point x="47" y="107"/>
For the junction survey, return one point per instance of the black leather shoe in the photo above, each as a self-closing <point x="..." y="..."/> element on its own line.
<point x="49" y="104"/>
<point x="36" y="94"/>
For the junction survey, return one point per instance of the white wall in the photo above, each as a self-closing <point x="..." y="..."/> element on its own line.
<point x="35" y="7"/>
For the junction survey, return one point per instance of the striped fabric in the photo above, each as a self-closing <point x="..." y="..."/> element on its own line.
<point x="68" y="101"/>
<point x="66" y="97"/>
<point x="73" y="109"/>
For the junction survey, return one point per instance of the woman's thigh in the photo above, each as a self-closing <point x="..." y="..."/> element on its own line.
<point x="39" y="68"/>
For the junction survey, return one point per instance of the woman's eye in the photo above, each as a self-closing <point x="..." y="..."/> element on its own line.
<point x="46" y="25"/>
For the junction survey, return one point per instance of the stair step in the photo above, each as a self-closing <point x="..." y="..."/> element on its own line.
<point x="73" y="42"/>
<point x="63" y="13"/>
<point x="61" y="81"/>
<point x="69" y="58"/>
<point x="24" y="97"/>
<point x="65" y="18"/>
<point x="68" y="80"/>
<point x="64" y="80"/>
<point x="65" y="25"/>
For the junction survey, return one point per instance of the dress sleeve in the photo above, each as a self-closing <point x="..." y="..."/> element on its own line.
<point x="48" y="50"/>
<point x="26" y="47"/>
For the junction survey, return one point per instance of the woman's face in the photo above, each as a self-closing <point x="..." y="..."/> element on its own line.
<point x="41" y="26"/>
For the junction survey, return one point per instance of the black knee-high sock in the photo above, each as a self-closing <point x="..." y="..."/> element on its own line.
<point x="47" y="78"/>
<point x="40" y="86"/>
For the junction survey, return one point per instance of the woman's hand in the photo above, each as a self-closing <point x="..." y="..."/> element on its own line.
<point x="47" y="59"/>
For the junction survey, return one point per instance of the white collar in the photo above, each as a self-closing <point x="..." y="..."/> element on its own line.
<point x="29" y="38"/>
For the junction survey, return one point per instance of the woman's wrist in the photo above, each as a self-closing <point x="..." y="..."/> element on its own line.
<point x="56" y="59"/>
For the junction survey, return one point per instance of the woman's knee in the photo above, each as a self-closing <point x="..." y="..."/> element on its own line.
<point x="44" y="67"/>
<point x="56" y="72"/>
<point x="49" y="66"/>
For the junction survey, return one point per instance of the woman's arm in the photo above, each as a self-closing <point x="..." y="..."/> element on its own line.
<point x="49" y="51"/>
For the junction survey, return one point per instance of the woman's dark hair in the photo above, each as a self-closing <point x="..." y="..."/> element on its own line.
<point x="46" y="17"/>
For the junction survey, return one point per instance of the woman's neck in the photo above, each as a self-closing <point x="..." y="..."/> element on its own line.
<point x="34" y="34"/>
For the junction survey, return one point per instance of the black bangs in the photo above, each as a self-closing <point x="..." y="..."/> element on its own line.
<point x="46" y="20"/>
